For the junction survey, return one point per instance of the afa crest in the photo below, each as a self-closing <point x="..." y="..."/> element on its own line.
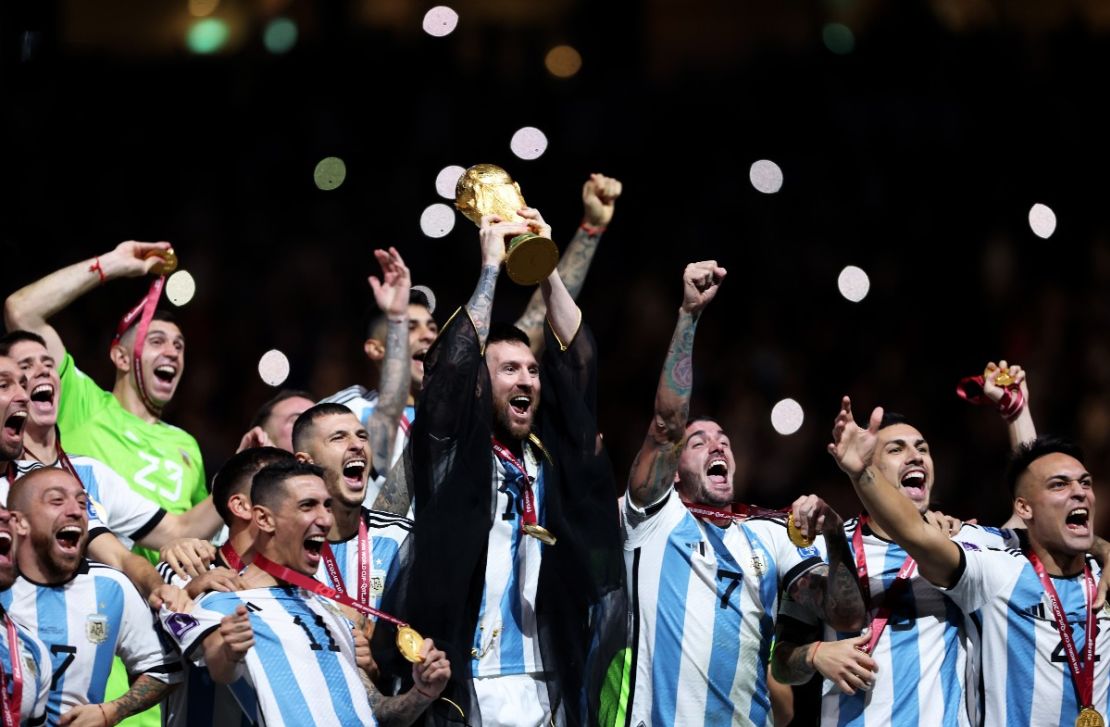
<point x="96" y="628"/>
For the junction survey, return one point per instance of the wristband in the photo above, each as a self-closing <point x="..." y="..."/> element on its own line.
<point x="813" y="654"/>
<point x="422" y="694"/>
<point x="103" y="714"/>
<point x="592" y="230"/>
<point x="95" y="268"/>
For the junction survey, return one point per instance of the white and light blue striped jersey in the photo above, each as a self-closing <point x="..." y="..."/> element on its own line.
<point x="37" y="673"/>
<point x="387" y="531"/>
<point x="199" y="701"/>
<point x="506" y="640"/>
<point x="84" y="622"/>
<point x="362" y="402"/>
<point x="703" y="602"/>
<point x="301" y="669"/>
<point x="129" y="515"/>
<point x="922" y="654"/>
<point x="1026" y="679"/>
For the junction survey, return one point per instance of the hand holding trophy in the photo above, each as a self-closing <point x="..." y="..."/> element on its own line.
<point x="486" y="189"/>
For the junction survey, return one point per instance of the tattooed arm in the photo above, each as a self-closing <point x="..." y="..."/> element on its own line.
<point x="429" y="679"/>
<point x="392" y="296"/>
<point x="143" y="694"/>
<point x="830" y="592"/>
<point x="657" y="461"/>
<point x="599" y="196"/>
<point x="492" y="234"/>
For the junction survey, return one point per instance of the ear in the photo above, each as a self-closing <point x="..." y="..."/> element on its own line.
<point x="20" y="524"/>
<point x="240" y="506"/>
<point x="1023" y="509"/>
<point x="264" y="519"/>
<point x="304" y="457"/>
<point x="121" y="358"/>
<point x="375" y="349"/>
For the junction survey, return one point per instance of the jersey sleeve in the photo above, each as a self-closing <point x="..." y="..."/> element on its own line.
<point x="140" y="648"/>
<point x="124" y="511"/>
<point x="983" y="574"/>
<point x="189" y="630"/>
<point x="988" y="537"/>
<point x="642" y="523"/>
<point x="792" y="561"/>
<point x="81" y="397"/>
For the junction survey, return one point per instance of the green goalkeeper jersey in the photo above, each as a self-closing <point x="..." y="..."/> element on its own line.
<point x="159" y="461"/>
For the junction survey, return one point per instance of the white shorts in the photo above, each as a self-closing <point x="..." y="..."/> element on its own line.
<point x="515" y="700"/>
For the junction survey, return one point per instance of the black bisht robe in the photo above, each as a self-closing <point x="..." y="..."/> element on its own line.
<point x="438" y="578"/>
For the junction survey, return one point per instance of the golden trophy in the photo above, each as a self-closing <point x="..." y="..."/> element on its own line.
<point x="486" y="189"/>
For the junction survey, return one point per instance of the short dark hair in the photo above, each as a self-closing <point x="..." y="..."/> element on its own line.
<point x="890" y="418"/>
<point x="302" y="428"/>
<point x="11" y="338"/>
<point x="266" y="409"/>
<point x="235" y="476"/>
<point x="268" y="484"/>
<point x="1029" y="452"/>
<point x="507" y="332"/>
<point x="700" y="418"/>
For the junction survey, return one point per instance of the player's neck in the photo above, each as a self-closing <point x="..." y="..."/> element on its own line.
<point x="1058" y="562"/>
<point x="129" y="399"/>
<point x="346" y="518"/>
<point x="40" y="443"/>
<point x="36" y="572"/>
<point x="255" y="577"/>
<point x="242" y="540"/>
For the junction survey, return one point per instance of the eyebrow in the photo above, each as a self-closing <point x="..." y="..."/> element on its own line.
<point x="905" y="442"/>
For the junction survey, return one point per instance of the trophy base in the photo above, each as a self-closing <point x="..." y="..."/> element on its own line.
<point x="530" y="258"/>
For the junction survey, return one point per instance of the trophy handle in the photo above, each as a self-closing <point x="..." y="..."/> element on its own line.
<point x="530" y="258"/>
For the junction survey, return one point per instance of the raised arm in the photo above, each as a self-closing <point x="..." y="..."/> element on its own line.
<point x="657" y="461"/>
<point x="30" y="307"/>
<point x="599" y="196"/>
<point x="830" y="592"/>
<point x="853" y="448"/>
<point x="1020" y="428"/>
<point x="391" y="293"/>
<point x="491" y="234"/>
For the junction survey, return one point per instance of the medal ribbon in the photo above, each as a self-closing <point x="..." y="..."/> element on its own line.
<point x="739" y="511"/>
<point x="336" y="575"/>
<point x="405" y="424"/>
<point x="311" y="584"/>
<point x="10" y="708"/>
<point x="970" y="389"/>
<point x="1083" y="677"/>
<point x="901" y="581"/>
<point x="231" y="557"/>
<point x="144" y="311"/>
<point x="527" y="496"/>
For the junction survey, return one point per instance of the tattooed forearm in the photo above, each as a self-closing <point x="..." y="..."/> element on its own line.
<point x="143" y="694"/>
<point x="396" y="494"/>
<point x="790" y="665"/>
<point x="480" y="305"/>
<point x="393" y="389"/>
<point x="672" y="397"/>
<point x="844" y="608"/>
<point x="399" y="711"/>
<point x="576" y="260"/>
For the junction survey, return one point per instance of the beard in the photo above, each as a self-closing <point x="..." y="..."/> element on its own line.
<point x="9" y="453"/>
<point x="57" y="566"/>
<point x="504" y="424"/>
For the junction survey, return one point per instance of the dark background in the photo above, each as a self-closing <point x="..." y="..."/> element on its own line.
<point x="916" y="156"/>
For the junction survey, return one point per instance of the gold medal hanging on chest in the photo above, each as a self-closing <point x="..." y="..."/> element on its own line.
<point x="1089" y="717"/>
<point x="797" y="537"/>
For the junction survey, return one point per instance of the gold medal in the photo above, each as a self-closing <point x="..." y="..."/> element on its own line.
<point x="168" y="263"/>
<point x="795" y="533"/>
<point x="1089" y="717"/>
<point x="540" y="533"/>
<point x="1003" y="378"/>
<point x="409" y="642"/>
